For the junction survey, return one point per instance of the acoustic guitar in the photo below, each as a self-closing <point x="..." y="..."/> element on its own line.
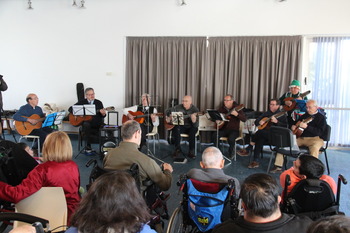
<point x="298" y="131"/>
<point x="139" y="116"/>
<point x="228" y="115"/>
<point x="294" y="103"/>
<point x="170" y="126"/>
<point x="267" y="120"/>
<point x="25" y="127"/>
<point x="78" y="120"/>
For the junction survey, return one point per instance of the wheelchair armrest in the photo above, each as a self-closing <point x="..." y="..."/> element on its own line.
<point x="147" y="182"/>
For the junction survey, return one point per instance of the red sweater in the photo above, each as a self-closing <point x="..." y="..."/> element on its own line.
<point x="48" y="174"/>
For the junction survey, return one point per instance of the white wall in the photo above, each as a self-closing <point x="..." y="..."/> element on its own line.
<point x="49" y="49"/>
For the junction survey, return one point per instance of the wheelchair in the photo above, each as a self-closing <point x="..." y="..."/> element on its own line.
<point x="312" y="197"/>
<point x="203" y="206"/>
<point x="156" y="200"/>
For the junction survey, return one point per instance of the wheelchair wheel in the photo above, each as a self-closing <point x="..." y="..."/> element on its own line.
<point x="176" y="223"/>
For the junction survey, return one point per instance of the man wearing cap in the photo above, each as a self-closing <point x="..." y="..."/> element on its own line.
<point x="294" y="92"/>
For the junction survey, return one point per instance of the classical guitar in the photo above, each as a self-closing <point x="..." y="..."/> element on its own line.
<point x="267" y="120"/>
<point x="298" y="131"/>
<point x="139" y="116"/>
<point x="25" y="128"/>
<point x="294" y="103"/>
<point x="78" y="120"/>
<point x="168" y="125"/>
<point x="228" y="115"/>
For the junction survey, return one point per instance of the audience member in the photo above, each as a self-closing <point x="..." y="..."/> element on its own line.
<point x="58" y="170"/>
<point x="260" y="201"/>
<point x="332" y="224"/>
<point x="212" y="164"/>
<point x="122" y="157"/>
<point x="112" y="204"/>
<point x="306" y="167"/>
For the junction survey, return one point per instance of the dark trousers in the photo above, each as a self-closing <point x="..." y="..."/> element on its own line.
<point x="42" y="133"/>
<point x="187" y="129"/>
<point x="231" y="137"/>
<point x="145" y="130"/>
<point x="90" y="132"/>
<point x="261" y="138"/>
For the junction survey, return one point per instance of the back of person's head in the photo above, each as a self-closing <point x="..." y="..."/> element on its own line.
<point x="57" y="147"/>
<point x="112" y="204"/>
<point x="310" y="167"/>
<point x="332" y="224"/>
<point x="23" y="145"/>
<point x="212" y="157"/>
<point x="260" y="195"/>
<point x="129" y="128"/>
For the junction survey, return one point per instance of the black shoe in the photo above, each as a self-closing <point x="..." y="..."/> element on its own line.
<point x="176" y="153"/>
<point x="191" y="155"/>
<point x="249" y="148"/>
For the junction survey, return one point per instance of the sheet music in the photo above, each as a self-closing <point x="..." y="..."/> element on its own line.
<point x="78" y="110"/>
<point x="90" y="109"/>
<point x="54" y="119"/>
<point x="59" y="117"/>
<point x="177" y="118"/>
<point x="215" y="115"/>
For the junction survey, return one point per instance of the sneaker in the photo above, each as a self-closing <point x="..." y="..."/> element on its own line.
<point x="191" y="155"/>
<point x="253" y="164"/>
<point x="243" y="152"/>
<point x="276" y="170"/>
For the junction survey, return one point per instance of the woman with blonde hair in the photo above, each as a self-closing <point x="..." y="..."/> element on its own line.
<point x="57" y="170"/>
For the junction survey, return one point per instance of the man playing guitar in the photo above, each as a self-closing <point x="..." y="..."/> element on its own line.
<point x="147" y="122"/>
<point x="313" y="131"/>
<point x="190" y="127"/>
<point x="32" y="117"/>
<point x="91" y="127"/>
<point x="230" y="128"/>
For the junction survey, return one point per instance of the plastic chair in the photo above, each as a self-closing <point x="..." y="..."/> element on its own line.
<point x="282" y="141"/>
<point x="155" y="136"/>
<point x="184" y="135"/>
<point x="224" y="140"/>
<point x="48" y="203"/>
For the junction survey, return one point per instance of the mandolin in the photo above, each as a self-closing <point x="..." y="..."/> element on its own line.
<point x="139" y="116"/>
<point x="294" y="103"/>
<point x="78" y="120"/>
<point x="298" y="131"/>
<point x="267" y="120"/>
<point x="228" y="115"/>
<point x="25" y="128"/>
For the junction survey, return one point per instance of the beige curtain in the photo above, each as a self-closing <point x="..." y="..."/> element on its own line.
<point x="165" y="67"/>
<point x="252" y="69"/>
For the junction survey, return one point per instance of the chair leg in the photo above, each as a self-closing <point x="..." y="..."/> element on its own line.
<point x="325" y="156"/>
<point x="268" y="168"/>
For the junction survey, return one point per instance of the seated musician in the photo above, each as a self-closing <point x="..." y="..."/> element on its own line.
<point x="33" y="115"/>
<point x="90" y="128"/>
<point x="212" y="164"/>
<point x="311" y="127"/>
<point x="273" y="117"/>
<point x="149" y="120"/>
<point x="230" y="128"/>
<point x="190" y="127"/>
<point x="122" y="157"/>
<point x="294" y="92"/>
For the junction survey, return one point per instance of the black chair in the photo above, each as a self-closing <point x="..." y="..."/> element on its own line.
<point x="282" y="141"/>
<point x="313" y="198"/>
<point x="326" y="137"/>
<point x="6" y="219"/>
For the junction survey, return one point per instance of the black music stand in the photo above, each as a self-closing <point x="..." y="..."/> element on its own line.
<point x="215" y="115"/>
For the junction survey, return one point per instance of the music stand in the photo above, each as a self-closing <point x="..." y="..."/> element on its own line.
<point x="215" y="115"/>
<point x="78" y="110"/>
<point x="90" y="109"/>
<point x="55" y="118"/>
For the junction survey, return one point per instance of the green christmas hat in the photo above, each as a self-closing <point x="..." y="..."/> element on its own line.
<point x="294" y="83"/>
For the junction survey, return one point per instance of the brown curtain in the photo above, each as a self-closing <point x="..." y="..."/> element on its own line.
<point x="165" y="67"/>
<point x="252" y="69"/>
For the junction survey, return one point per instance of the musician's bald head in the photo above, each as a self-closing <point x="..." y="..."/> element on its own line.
<point x="32" y="99"/>
<point x="187" y="101"/>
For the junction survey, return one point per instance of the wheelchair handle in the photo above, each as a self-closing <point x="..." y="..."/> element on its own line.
<point x="342" y="178"/>
<point x="91" y="161"/>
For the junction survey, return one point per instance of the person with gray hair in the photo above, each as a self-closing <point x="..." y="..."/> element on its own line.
<point x="122" y="157"/>
<point x="91" y="128"/>
<point x="212" y="164"/>
<point x="149" y="119"/>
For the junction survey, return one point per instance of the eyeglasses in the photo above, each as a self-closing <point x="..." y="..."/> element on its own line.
<point x="227" y="100"/>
